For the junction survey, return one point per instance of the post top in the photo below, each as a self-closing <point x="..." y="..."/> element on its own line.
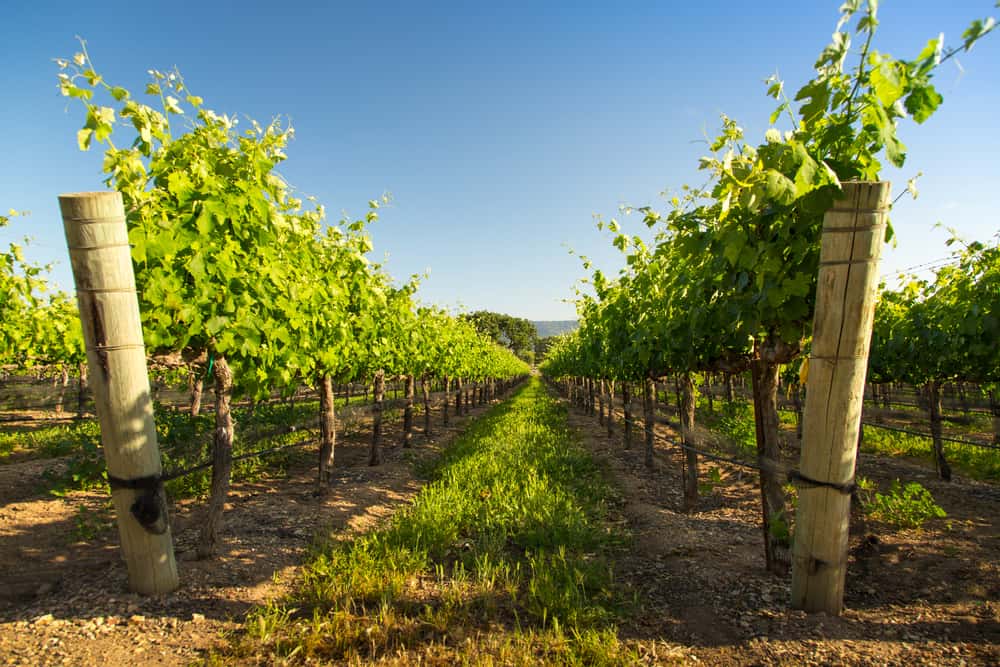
<point x="90" y="195"/>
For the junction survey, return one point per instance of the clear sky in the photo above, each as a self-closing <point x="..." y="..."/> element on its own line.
<point x="499" y="129"/>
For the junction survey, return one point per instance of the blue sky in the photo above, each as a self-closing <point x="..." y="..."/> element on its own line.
<point x="499" y="129"/>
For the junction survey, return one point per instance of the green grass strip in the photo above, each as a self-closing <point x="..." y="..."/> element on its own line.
<point x="503" y="558"/>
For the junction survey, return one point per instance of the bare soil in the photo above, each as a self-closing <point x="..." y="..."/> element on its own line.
<point x="918" y="597"/>
<point x="66" y="602"/>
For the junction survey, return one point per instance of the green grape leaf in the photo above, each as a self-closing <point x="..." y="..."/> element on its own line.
<point x="922" y="102"/>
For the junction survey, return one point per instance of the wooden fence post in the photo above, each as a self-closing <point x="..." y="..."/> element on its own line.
<point x="94" y="223"/>
<point x="853" y="234"/>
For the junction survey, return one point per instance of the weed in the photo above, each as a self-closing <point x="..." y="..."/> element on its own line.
<point x="779" y="527"/>
<point x="908" y="506"/>
<point x="88" y="524"/>
<point x="709" y="481"/>
<point x="735" y="421"/>
<point x="85" y="469"/>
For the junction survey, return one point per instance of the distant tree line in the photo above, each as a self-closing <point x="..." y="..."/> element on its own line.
<point x="515" y="333"/>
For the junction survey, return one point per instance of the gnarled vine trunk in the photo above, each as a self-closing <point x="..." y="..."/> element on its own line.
<point x="963" y="397"/>
<point x="627" y="414"/>
<point x="408" y="412"/>
<point x="197" y="390"/>
<point x="797" y="404"/>
<point x="63" y="381"/>
<point x="425" y="388"/>
<point x="327" y="430"/>
<point x="610" y="419"/>
<point x="378" y="395"/>
<point x="81" y="396"/>
<point x="933" y="393"/>
<point x="600" y="401"/>
<point x="775" y="520"/>
<point x="648" y="416"/>
<point x="677" y="393"/>
<point x="687" y="405"/>
<point x="444" y="406"/>
<point x="995" y="411"/>
<point x="222" y="458"/>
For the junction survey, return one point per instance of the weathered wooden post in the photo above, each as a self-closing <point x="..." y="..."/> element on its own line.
<point x="94" y="223"/>
<point x="853" y="234"/>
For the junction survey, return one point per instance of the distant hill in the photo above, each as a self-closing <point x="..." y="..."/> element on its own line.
<point x="555" y="327"/>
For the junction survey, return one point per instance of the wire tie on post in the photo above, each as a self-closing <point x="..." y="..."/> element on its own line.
<point x="847" y="262"/>
<point x="797" y="478"/>
<point x="858" y="228"/>
<point x="111" y="348"/>
<point x="107" y="220"/>
<point x="101" y="247"/>
<point x="873" y="211"/>
<point x="108" y="290"/>
<point x="820" y="357"/>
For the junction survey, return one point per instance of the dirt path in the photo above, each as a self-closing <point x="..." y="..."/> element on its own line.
<point x="66" y="603"/>
<point x="923" y="597"/>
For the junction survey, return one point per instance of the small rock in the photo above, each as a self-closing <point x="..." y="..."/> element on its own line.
<point x="45" y="618"/>
<point x="197" y="618"/>
<point x="137" y="619"/>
